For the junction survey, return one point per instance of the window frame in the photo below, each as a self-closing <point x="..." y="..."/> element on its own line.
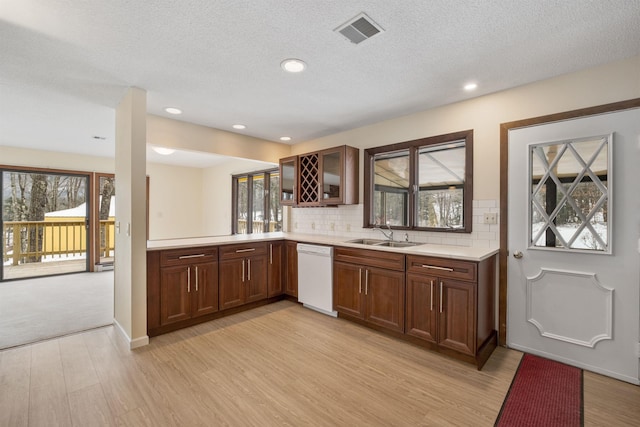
<point x="413" y="146"/>
<point x="266" y="176"/>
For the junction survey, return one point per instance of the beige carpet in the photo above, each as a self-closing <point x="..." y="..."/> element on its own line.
<point x="36" y="309"/>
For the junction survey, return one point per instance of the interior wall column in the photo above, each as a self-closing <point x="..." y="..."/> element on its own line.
<point x="130" y="309"/>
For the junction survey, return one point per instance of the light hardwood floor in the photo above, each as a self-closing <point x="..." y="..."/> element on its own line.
<point x="276" y="365"/>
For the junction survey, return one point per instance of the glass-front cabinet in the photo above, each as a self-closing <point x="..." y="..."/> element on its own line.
<point x="288" y="180"/>
<point x="331" y="164"/>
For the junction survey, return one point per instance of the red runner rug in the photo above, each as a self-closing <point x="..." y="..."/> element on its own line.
<point x="543" y="393"/>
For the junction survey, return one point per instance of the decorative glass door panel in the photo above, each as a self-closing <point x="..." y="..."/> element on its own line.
<point x="570" y="194"/>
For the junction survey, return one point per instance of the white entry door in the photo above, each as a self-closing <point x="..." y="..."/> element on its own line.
<point x="573" y="267"/>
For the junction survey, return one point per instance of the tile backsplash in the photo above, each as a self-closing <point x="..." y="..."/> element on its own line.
<point x="346" y="221"/>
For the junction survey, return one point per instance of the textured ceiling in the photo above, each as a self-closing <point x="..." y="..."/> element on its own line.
<point x="65" y="64"/>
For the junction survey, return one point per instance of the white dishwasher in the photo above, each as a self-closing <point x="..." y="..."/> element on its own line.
<point x="315" y="277"/>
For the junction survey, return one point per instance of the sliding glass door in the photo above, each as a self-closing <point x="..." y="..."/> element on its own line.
<point x="45" y="223"/>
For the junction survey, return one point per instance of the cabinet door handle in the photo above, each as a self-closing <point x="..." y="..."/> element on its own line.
<point x="239" y="251"/>
<point x="249" y="269"/>
<point x="196" y="278"/>
<point x="191" y="256"/>
<point x="366" y="281"/>
<point x="440" y="297"/>
<point x="435" y="267"/>
<point x="270" y="253"/>
<point x="188" y="279"/>
<point x="360" y="282"/>
<point x="242" y="271"/>
<point x="431" y="299"/>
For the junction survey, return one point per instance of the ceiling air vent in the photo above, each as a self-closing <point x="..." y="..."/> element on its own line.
<point x="359" y="29"/>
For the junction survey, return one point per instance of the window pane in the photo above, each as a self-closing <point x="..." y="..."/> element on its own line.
<point x="441" y="170"/>
<point x="257" y="209"/>
<point x="243" y="205"/>
<point x="391" y="188"/>
<point x="275" y="209"/>
<point x="569" y="194"/>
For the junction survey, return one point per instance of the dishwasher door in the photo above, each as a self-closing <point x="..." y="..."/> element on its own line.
<point x="315" y="277"/>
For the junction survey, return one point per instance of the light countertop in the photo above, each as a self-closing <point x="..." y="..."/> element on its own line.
<point x="426" y="249"/>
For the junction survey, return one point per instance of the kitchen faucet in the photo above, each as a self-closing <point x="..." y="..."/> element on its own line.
<point x="388" y="235"/>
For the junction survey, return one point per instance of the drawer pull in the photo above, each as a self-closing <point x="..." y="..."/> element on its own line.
<point x="242" y="271"/>
<point x="191" y="256"/>
<point x="360" y="282"/>
<point x="239" y="251"/>
<point x="435" y="267"/>
<point x="196" y="278"/>
<point x="440" y="297"/>
<point x="189" y="279"/>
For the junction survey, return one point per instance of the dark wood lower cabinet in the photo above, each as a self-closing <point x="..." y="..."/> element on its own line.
<point x="450" y="306"/>
<point x="188" y="285"/>
<point x="243" y="274"/>
<point x="276" y="267"/>
<point x="365" y="291"/>
<point x="291" y="288"/>
<point x="193" y="285"/>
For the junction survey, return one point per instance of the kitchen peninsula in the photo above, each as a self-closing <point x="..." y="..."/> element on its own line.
<point x="437" y="296"/>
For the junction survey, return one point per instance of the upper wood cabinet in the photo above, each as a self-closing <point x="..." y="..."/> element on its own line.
<point x="324" y="178"/>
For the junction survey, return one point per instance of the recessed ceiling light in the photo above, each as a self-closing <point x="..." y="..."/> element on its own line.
<point x="172" y="110"/>
<point x="471" y="86"/>
<point x="293" y="65"/>
<point x="285" y="138"/>
<point x="239" y="126"/>
<point x="164" y="151"/>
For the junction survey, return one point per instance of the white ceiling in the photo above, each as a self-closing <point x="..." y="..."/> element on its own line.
<point x="65" y="64"/>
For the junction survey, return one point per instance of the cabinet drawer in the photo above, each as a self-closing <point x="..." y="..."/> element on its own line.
<point x="382" y="259"/>
<point x="442" y="267"/>
<point x="187" y="256"/>
<point x="242" y="250"/>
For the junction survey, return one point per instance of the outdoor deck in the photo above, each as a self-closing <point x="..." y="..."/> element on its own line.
<point x="44" y="268"/>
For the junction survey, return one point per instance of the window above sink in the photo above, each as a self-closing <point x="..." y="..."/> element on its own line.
<point x="424" y="184"/>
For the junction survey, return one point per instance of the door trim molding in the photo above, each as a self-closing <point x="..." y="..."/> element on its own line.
<point x="504" y="187"/>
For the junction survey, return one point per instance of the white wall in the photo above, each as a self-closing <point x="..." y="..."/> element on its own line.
<point x="175" y="201"/>
<point x="216" y="193"/>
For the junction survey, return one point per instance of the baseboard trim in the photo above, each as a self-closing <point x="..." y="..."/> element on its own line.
<point x="139" y="342"/>
<point x="135" y="343"/>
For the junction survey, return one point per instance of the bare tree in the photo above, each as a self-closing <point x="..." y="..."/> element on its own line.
<point x="37" y="208"/>
<point x="18" y="200"/>
<point x="107" y="191"/>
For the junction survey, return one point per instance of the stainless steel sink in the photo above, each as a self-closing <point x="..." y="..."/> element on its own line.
<point x="367" y="241"/>
<point x="387" y="243"/>
<point x="397" y="244"/>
